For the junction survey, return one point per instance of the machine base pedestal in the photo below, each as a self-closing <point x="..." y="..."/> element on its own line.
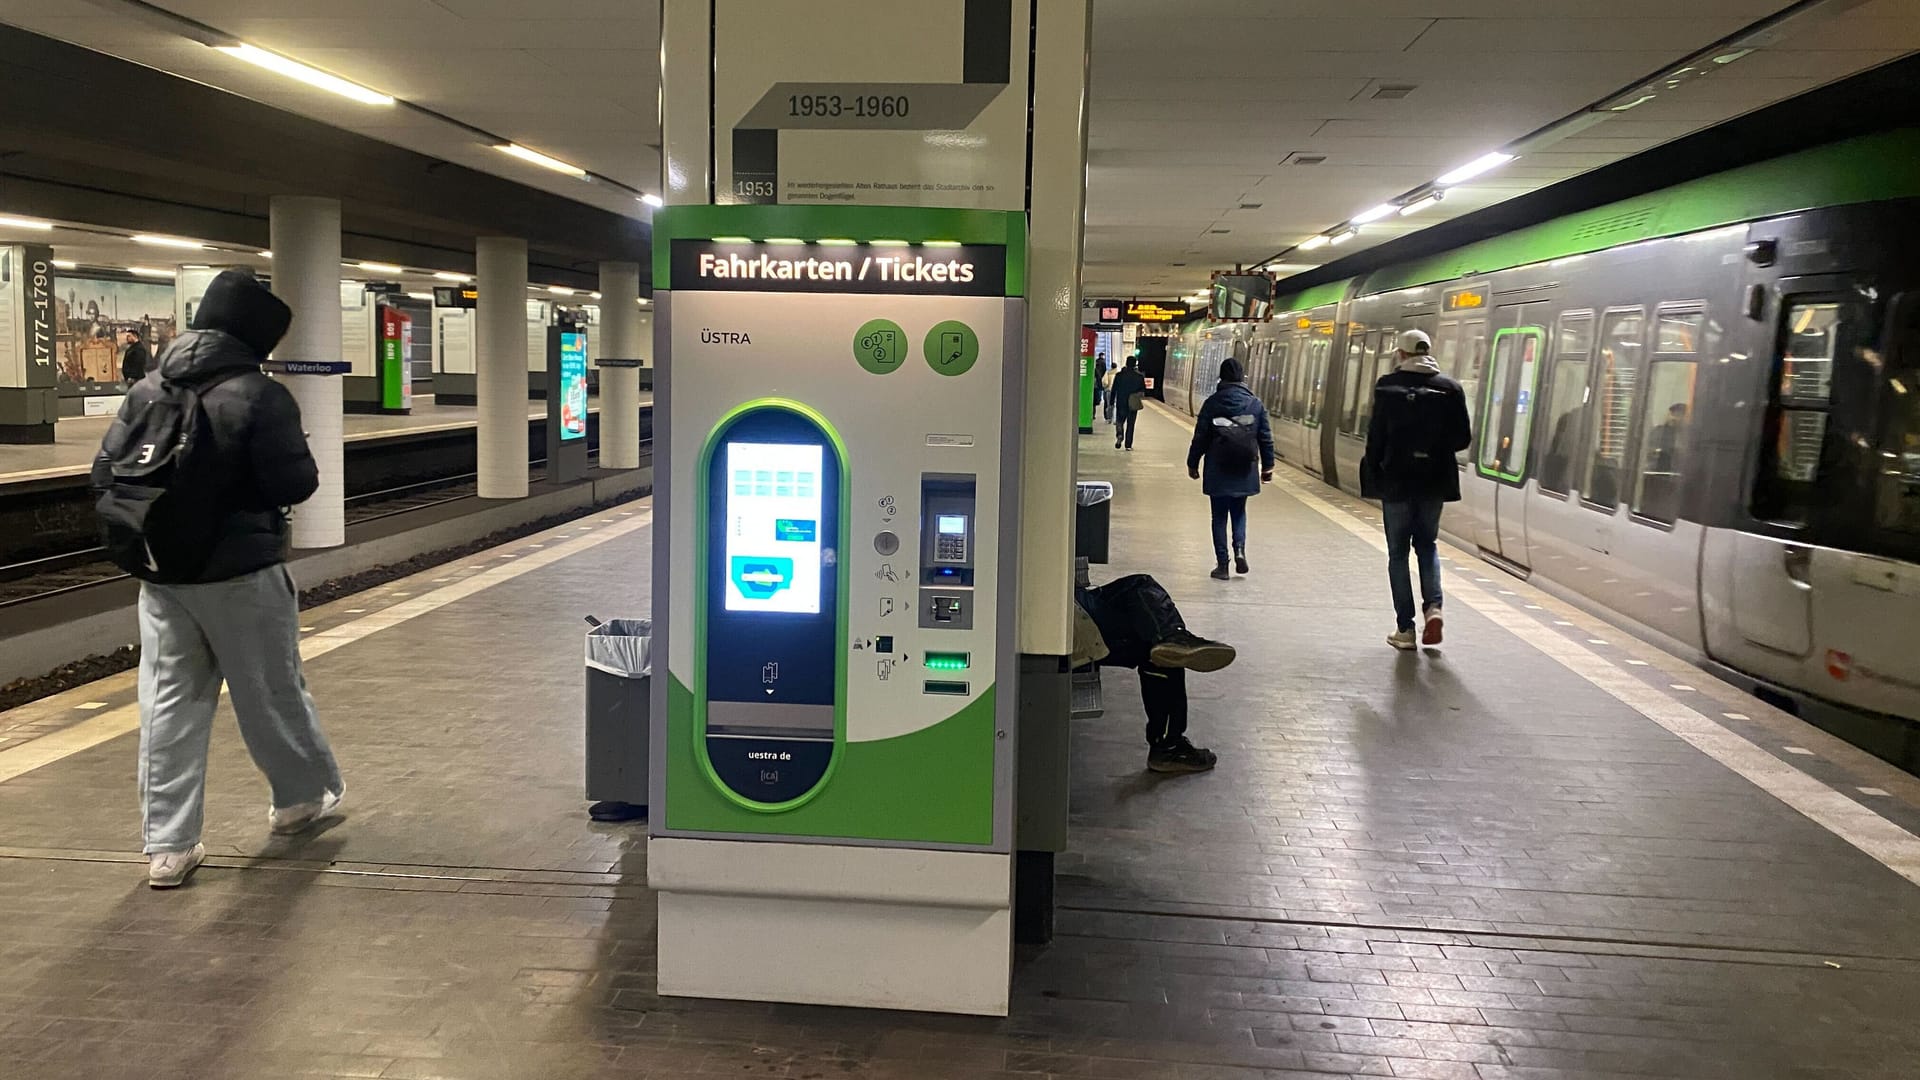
<point x="869" y="927"/>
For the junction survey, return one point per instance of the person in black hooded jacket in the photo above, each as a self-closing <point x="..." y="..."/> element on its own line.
<point x="240" y="620"/>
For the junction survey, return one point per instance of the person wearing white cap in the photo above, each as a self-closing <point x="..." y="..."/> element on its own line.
<point x="1419" y="422"/>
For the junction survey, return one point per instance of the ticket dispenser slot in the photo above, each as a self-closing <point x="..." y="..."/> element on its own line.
<point x="947" y="539"/>
<point x="772" y="597"/>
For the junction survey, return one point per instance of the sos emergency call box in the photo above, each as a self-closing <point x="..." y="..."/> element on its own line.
<point x="837" y="418"/>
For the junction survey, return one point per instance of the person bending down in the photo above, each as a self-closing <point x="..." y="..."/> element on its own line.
<point x="1142" y="629"/>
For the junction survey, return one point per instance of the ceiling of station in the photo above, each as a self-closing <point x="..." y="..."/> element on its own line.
<point x="1201" y="109"/>
<point x="575" y="79"/>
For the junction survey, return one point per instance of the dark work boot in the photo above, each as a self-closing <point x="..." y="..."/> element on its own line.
<point x="1185" y="649"/>
<point x="1240" y="560"/>
<point x="1179" y="756"/>
<point x="1221" y="573"/>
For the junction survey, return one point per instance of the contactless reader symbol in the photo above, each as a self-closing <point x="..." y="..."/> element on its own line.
<point x="886" y="573"/>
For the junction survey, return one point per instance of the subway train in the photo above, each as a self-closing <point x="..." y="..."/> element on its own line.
<point x="1696" y="412"/>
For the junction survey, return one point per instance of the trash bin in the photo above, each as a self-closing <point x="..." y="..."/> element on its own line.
<point x="619" y="677"/>
<point x="1092" y="515"/>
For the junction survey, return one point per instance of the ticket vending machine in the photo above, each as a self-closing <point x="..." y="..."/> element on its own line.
<point x="837" y="413"/>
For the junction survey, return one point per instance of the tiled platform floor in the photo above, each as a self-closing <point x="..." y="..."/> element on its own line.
<point x="1472" y="864"/>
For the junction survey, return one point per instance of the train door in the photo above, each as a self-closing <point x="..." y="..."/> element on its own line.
<point x="1772" y="566"/>
<point x="1506" y="424"/>
<point x="1313" y="380"/>
<point x="1460" y="348"/>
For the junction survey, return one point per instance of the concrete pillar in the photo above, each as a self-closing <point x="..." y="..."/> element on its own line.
<point x="500" y="366"/>
<point x="306" y="274"/>
<point x="620" y="383"/>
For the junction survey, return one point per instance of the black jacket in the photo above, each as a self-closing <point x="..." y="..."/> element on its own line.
<point x="1419" y="422"/>
<point x="257" y="435"/>
<point x="1126" y="384"/>
<point x="134" y="362"/>
<point x="1231" y="403"/>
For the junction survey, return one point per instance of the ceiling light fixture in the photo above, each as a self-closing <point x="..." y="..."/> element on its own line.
<point x="264" y="254"/>
<point x="559" y="290"/>
<point x="448" y="275"/>
<point x="1420" y="204"/>
<point x="1479" y="166"/>
<point x="1313" y="242"/>
<point x="64" y="264"/>
<point x="170" y="242"/>
<point x="1343" y="236"/>
<point x="653" y="200"/>
<point x="25" y="223"/>
<point x="381" y="268"/>
<point x="148" y="271"/>
<point x="299" y="72"/>
<point x="420" y="296"/>
<point x="596" y="296"/>
<point x="1374" y="214"/>
<point x="540" y="159"/>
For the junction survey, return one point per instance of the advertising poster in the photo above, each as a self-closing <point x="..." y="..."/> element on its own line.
<point x="935" y="114"/>
<point x="573" y="386"/>
<point x="89" y="316"/>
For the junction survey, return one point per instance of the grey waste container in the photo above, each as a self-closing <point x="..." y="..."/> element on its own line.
<point x="619" y="674"/>
<point x="1092" y="518"/>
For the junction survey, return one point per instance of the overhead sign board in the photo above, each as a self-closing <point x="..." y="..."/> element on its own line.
<point x="938" y="116"/>
<point x="1153" y="311"/>
<point x="738" y="266"/>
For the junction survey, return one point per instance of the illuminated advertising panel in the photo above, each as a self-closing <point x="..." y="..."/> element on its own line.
<point x="573" y="386"/>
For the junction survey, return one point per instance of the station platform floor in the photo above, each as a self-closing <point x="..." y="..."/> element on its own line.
<point x="77" y="438"/>
<point x="1542" y="852"/>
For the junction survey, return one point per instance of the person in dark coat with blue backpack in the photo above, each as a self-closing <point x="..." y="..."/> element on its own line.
<point x="1234" y="439"/>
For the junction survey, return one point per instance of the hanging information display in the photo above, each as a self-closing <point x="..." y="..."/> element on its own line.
<point x="920" y="127"/>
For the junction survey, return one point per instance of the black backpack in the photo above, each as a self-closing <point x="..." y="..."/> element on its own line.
<point x="1235" y="446"/>
<point x="161" y="511"/>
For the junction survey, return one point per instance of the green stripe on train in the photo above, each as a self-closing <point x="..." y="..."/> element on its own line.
<point x="1867" y="169"/>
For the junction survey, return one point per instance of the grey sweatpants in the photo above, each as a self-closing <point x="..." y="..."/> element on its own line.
<point x="247" y="631"/>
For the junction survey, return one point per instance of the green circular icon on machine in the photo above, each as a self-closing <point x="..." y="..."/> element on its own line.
<point x="880" y="346"/>
<point x="952" y="347"/>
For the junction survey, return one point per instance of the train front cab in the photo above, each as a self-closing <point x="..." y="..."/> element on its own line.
<point x="1817" y="584"/>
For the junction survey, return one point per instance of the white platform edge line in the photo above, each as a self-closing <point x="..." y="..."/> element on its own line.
<point x="1888" y="844"/>
<point x="114" y="723"/>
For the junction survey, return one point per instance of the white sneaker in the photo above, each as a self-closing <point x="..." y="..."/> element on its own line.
<point x="292" y="819"/>
<point x="1435" y="628"/>
<point x="170" y="869"/>
<point x="1402" y="640"/>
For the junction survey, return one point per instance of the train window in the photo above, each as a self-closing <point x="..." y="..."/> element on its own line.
<point x="1567" y="393"/>
<point x="1356" y="354"/>
<point x="1273" y="394"/>
<point x="1503" y="443"/>
<point x="1663" y="444"/>
<point x="1896" y="482"/>
<point x="1796" y="426"/>
<point x="1379" y="363"/>
<point x="1466" y="367"/>
<point x="1622" y="336"/>
<point x="1316" y="376"/>
<point x="1678" y="332"/>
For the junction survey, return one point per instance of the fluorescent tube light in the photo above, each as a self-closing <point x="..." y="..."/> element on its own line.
<point x="264" y="254"/>
<point x="1481" y="165"/>
<point x="653" y="200"/>
<point x="170" y="241"/>
<point x="25" y="223"/>
<point x="448" y="275"/>
<point x="1375" y="214"/>
<point x="1343" y="236"/>
<point x="559" y="290"/>
<point x="1418" y="205"/>
<point x="540" y="159"/>
<point x="420" y="296"/>
<point x="596" y="296"/>
<point x="148" y="271"/>
<point x="382" y="268"/>
<point x="299" y="72"/>
<point x="1313" y="242"/>
<point x="64" y="264"/>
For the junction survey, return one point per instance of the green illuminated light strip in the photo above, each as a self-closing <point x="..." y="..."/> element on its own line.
<point x="948" y="661"/>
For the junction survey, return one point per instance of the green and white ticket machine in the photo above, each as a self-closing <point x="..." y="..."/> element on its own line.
<point x="837" y="419"/>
